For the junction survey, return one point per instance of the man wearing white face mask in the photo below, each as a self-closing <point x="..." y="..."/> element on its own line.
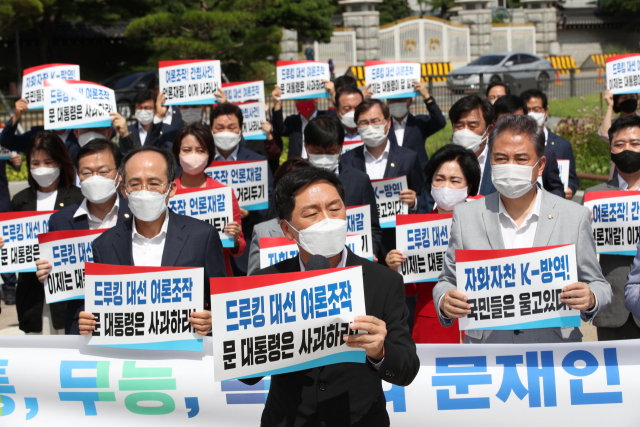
<point x="522" y="215"/>
<point x="347" y="99"/>
<point x="146" y="131"/>
<point x="97" y="165"/>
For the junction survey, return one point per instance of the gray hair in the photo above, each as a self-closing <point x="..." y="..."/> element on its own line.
<point x="168" y="156"/>
<point x="519" y="125"/>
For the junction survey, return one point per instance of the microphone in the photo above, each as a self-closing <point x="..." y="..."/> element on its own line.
<point x="317" y="262"/>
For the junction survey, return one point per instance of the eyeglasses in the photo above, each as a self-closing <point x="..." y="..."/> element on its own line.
<point x="154" y="187"/>
<point x="105" y="173"/>
<point x="374" y="122"/>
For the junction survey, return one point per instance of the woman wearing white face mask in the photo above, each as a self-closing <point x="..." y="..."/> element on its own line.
<point x="194" y="150"/>
<point x="51" y="187"/>
<point x="452" y="175"/>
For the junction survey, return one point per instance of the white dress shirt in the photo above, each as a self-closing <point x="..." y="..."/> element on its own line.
<point x="232" y="157"/>
<point x="142" y="134"/>
<point x="168" y="116"/>
<point x="515" y="237"/>
<point x="305" y="122"/>
<point x="46" y="201"/>
<point x="624" y="185"/>
<point x="376" y="167"/>
<point x="482" y="159"/>
<point x="94" y="222"/>
<point x="399" y="128"/>
<point x="148" y="252"/>
<point x="546" y="134"/>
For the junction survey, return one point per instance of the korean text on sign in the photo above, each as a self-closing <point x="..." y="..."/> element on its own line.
<point x="423" y="239"/>
<point x="284" y="322"/>
<point x="238" y="92"/>
<point x="616" y="221"/>
<point x="70" y="104"/>
<point x="144" y="307"/>
<point x="249" y="180"/>
<point x="387" y="192"/>
<point x="66" y="251"/>
<point x="623" y="73"/>
<point x="20" y="232"/>
<point x="391" y="79"/>
<point x="33" y="80"/>
<point x="189" y="82"/>
<point x="253" y="115"/>
<point x="302" y="79"/>
<point x="277" y="249"/>
<point x="517" y="288"/>
<point x="359" y="222"/>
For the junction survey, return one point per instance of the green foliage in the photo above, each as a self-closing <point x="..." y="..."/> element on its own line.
<point x="573" y="107"/>
<point x="392" y="10"/>
<point x="616" y="48"/>
<point x="16" y="14"/>
<point x="442" y="6"/>
<point x="439" y="139"/>
<point x="13" y="175"/>
<point x="622" y="6"/>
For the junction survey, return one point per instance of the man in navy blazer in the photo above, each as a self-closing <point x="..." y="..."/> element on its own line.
<point x="411" y="131"/>
<point x="168" y="240"/>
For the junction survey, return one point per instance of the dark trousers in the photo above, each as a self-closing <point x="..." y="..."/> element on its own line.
<point x="10" y="280"/>
<point x="630" y="330"/>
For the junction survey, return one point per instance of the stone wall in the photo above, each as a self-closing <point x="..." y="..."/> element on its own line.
<point x="479" y="22"/>
<point x="289" y="45"/>
<point x="545" y="23"/>
<point x="367" y="26"/>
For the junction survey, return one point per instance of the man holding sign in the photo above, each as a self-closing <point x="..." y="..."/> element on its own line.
<point x="521" y="215"/>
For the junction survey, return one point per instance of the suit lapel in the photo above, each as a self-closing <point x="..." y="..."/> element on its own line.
<point x="123" y="245"/>
<point x="358" y="159"/>
<point x="392" y="133"/>
<point x="546" y="220"/>
<point x="408" y="130"/>
<point x="486" y="184"/>
<point x="491" y="220"/>
<point x="276" y="231"/>
<point x="175" y="241"/>
<point x="391" y="171"/>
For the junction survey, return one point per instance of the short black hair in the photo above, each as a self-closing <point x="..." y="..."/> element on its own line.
<point x="507" y="90"/>
<point x="368" y="104"/>
<point x="347" y="90"/>
<point x="470" y="103"/>
<point x="509" y="104"/>
<point x="535" y="93"/>
<point x="519" y="125"/>
<point x="99" y="145"/>
<point x="465" y="158"/>
<point x="343" y="81"/>
<point x="168" y="156"/>
<point x="201" y="133"/>
<point x="226" y="109"/>
<point x="289" y="185"/>
<point x="324" y="131"/>
<point x="144" y="95"/>
<point x="623" y="123"/>
<point x="289" y="165"/>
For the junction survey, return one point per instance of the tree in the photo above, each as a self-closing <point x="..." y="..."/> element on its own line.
<point x="392" y="10"/>
<point x="442" y="5"/>
<point x="620" y="7"/>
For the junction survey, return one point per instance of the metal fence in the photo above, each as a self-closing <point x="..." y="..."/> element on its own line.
<point x="513" y="38"/>
<point x="341" y="50"/>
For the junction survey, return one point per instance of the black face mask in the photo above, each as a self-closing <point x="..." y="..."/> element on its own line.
<point x="627" y="161"/>
<point x="628" y="105"/>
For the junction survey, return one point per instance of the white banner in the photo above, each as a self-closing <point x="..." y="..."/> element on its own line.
<point x="238" y="92"/>
<point x="387" y="193"/>
<point x="302" y="79"/>
<point x="144" y="308"/>
<point x="517" y="288"/>
<point x="66" y="251"/>
<point x="20" y="233"/>
<point x="423" y="239"/>
<point x="211" y="205"/>
<point x="33" y="80"/>
<point x="623" y="73"/>
<point x="359" y="222"/>
<point x="253" y="115"/>
<point x="391" y="79"/>
<point x="616" y="221"/>
<point x="276" y="249"/>
<point x="248" y="178"/>
<point x="190" y="81"/>
<point x="282" y="323"/>
<point x="350" y="145"/>
<point x="249" y="96"/>
<point x="70" y="104"/>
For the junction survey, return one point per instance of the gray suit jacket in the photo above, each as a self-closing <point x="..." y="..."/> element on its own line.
<point x="269" y="228"/>
<point x="616" y="269"/>
<point x="477" y="226"/>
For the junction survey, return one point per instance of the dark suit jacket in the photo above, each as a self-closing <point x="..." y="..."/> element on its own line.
<point x="564" y="151"/>
<point x="176" y="117"/>
<point x="290" y="127"/>
<point x="486" y="185"/>
<point x="190" y="242"/>
<point x="551" y="175"/>
<point x="10" y="140"/>
<point x="418" y="129"/>
<point x="353" y="394"/>
<point x="159" y="135"/>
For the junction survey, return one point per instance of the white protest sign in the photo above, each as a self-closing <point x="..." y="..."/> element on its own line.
<point x="238" y="92"/>
<point x="616" y="221"/>
<point x="517" y="288"/>
<point x="387" y="191"/>
<point x="283" y="313"/>
<point x="66" y="251"/>
<point x="70" y="104"/>
<point x="423" y="239"/>
<point x="145" y="308"/>
<point x="249" y="96"/>
<point x="189" y="81"/>
<point x="391" y="79"/>
<point x="253" y="115"/>
<point x="623" y="73"/>
<point x="276" y="249"/>
<point x="20" y="232"/>
<point x="302" y="79"/>
<point x="350" y="145"/>
<point x="33" y="80"/>
<point x="211" y="205"/>
<point x="563" y="167"/>
<point x="359" y="222"/>
<point x="248" y="178"/>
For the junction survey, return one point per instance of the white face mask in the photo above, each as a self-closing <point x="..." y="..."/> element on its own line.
<point x="325" y="161"/>
<point x="226" y="140"/>
<point x="447" y="198"/>
<point x="512" y="181"/>
<point x="373" y="135"/>
<point x="348" y="119"/>
<point x="98" y="189"/>
<point x="194" y="163"/>
<point x="45" y="176"/>
<point x="146" y="205"/>
<point x="398" y="109"/>
<point x="326" y="238"/>
<point x="539" y="118"/>
<point x="144" y="116"/>
<point x="191" y="115"/>
<point x="88" y="136"/>
<point x="468" y="139"/>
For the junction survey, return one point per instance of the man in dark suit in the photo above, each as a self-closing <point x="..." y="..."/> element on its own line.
<point x="411" y="131"/>
<point x="156" y="236"/>
<point x="345" y="394"/>
<point x="537" y="105"/>
<point x="97" y="165"/>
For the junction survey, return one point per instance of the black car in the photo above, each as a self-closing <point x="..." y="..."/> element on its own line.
<point x="127" y="85"/>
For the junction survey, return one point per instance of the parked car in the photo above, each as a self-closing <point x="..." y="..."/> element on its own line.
<point x="127" y="85"/>
<point x="494" y="67"/>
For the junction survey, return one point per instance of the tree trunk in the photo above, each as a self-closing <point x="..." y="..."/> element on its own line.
<point x="45" y="29"/>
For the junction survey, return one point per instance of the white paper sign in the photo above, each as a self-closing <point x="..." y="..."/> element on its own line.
<point x="190" y="81"/>
<point x="250" y="312"/>
<point x="616" y="221"/>
<point x="66" y="251"/>
<point x="211" y="205"/>
<point x="20" y="232"/>
<point x="248" y="178"/>
<point x="249" y="96"/>
<point x="238" y="92"/>
<point x="146" y="308"/>
<point x="387" y="191"/>
<point x="33" y="80"/>
<point x="70" y="104"/>
<point x="391" y="79"/>
<point x="563" y="167"/>
<point x="302" y="79"/>
<point x="623" y="73"/>
<point x="359" y="222"/>
<point x="350" y="145"/>
<point x="253" y="115"/>
<point x="277" y="249"/>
